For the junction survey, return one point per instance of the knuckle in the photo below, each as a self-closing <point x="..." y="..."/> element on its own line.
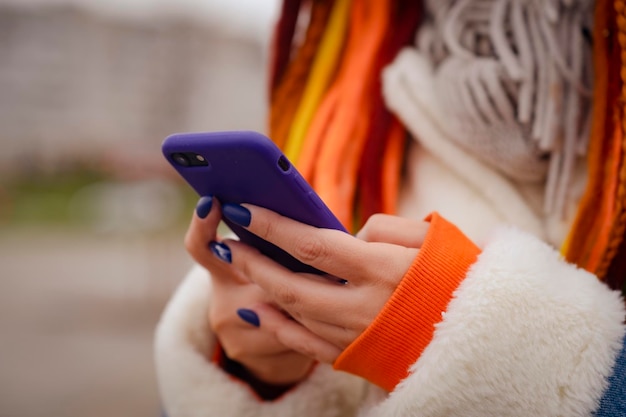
<point x="194" y="248"/>
<point x="245" y="268"/>
<point x="235" y="351"/>
<point x="299" y="345"/>
<point x="267" y="230"/>
<point x="217" y="321"/>
<point x="309" y="249"/>
<point x="375" y="218"/>
<point x="190" y="243"/>
<point x="373" y="226"/>
<point x="286" y="296"/>
<point x="346" y="337"/>
<point x="306" y="349"/>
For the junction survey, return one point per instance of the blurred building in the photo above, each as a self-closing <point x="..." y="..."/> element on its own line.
<point x="81" y="290"/>
<point x="76" y="86"/>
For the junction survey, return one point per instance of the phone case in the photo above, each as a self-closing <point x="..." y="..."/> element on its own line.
<point x="247" y="167"/>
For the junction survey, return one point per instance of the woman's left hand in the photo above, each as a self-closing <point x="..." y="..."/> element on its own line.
<point x="329" y="313"/>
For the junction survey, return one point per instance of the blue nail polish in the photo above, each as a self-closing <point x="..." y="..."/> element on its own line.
<point x="204" y="206"/>
<point x="237" y="214"/>
<point x="221" y="251"/>
<point x="249" y="317"/>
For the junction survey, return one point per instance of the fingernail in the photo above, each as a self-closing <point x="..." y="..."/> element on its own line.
<point x="221" y="251"/>
<point x="237" y="214"/>
<point x="204" y="206"/>
<point x="249" y="317"/>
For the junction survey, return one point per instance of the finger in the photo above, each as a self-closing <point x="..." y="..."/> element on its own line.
<point x="302" y="295"/>
<point x="331" y="251"/>
<point x="203" y="229"/>
<point x="295" y="336"/>
<point x="237" y="339"/>
<point x="321" y="316"/>
<point x="339" y="336"/>
<point x="261" y="353"/>
<point x="395" y="230"/>
<point x="201" y="244"/>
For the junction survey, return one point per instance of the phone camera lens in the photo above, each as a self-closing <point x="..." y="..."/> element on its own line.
<point x="181" y="159"/>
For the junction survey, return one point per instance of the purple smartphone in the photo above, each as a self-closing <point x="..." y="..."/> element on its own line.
<point x="247" y="167"/>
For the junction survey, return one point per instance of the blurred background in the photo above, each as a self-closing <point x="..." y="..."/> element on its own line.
<point x="91" y="217"/>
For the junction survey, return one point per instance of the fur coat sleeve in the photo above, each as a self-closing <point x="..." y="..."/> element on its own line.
<point x="525" y="334"/>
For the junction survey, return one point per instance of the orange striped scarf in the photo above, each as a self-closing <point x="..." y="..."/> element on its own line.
<point x="350" y="139"/>
<point x="596" y="239"/>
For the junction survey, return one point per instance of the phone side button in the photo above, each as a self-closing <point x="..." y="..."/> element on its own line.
<point x="302" y="184"/>
<point x="316" y="200"/>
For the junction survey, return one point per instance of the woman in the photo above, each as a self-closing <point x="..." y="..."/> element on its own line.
<point x="459" y="304"/>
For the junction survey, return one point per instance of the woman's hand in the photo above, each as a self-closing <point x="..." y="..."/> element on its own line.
<point x="258" y="350"/>
<point x="330" y="311"/>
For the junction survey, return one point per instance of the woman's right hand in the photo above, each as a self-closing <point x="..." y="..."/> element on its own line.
<point x="258" y="350"/>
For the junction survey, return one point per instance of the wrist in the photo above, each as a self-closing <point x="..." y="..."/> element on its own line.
<point x="269" y="382"/>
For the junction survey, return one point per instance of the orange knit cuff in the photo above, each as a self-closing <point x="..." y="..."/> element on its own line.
<point x="394" y="341"/>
